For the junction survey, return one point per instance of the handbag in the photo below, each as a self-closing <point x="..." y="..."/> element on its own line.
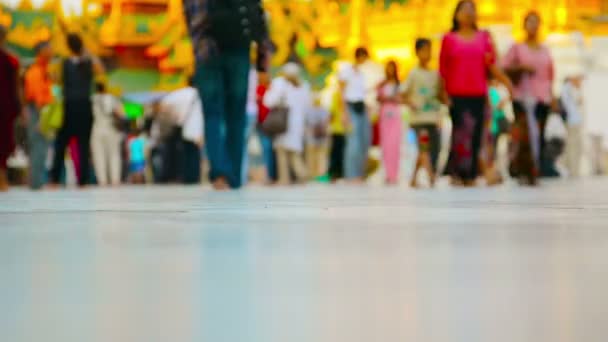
<point x="319" y="131"/>
<point x="276" y="121"/>
<point x="503" y="125"/>
<point x="514" y="72"/>
<point x="51" y="119"/>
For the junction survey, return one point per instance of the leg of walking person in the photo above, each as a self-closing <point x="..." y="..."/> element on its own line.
<point x="249" y="130"/>
<point x="282" y="166"/>
<point x="357" y="145"/>
<point x="574" y="150"/>
<point x="297" y="165"/>
<point x="38" y="146"/>
<point x="236" y="77"/>
<point x="268" y="155"/>
<point x="435" y="145"/>
<point x="84" y="143"/>
<point x="309" y="158"/>
<point x="209" y="80"/>
<point x="61" y="143"/>
<point x="100" y="150"/>
<point x="115" y="158"/>
<point x="191" y="163"/>
<point x="390" y="142"/>
<point x="352" y="167"/>
<point x="477" y="107"/>
<point x="7" y="145"/>
<point x="541" y="112"/>
<point x="336" y="156"/>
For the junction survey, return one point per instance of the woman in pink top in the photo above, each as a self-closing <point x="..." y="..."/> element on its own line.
<point x="467" y="55"/>
<point x="531" y="66"/>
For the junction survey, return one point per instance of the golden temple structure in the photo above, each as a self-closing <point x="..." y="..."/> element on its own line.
<point x="152" y="33"/>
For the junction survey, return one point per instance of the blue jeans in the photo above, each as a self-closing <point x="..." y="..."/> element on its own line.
<point x="38" y="148"/>
<point x="249" y="130"/>
<point x="222" y="82"/>
<point x="268" y="154"/>
<point x="358" y="141"/>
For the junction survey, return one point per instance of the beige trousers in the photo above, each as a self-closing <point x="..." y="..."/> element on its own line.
<point x="106" y="148"/>
<point x="574" y="150"/>
<point x="316" y="156"/>
<point x="288" y="161"/>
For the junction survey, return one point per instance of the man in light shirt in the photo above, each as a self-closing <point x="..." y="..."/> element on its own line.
<point x="353" y="89"/>
<point x="183" y="108"/>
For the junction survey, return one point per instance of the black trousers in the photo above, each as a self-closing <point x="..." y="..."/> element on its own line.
<point x="434" y="141"/>
<point x="336" y="156"/>
<point x="190" y="163"/>
<point x="547" y="168"/>
<point x="467" y="114"/>
<point x="78" y="123"/>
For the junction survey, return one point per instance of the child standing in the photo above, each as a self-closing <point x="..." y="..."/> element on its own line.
<point x="423" y="92"/>
<point x="136" y="150"/>
<point x="316" y="138"/>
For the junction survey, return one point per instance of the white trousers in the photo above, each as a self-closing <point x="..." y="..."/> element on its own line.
<point x="106" y="148"/>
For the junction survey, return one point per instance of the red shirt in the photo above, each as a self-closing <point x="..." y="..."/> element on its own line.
<point x="463" y="64"/>
<point x="262" y="110"/>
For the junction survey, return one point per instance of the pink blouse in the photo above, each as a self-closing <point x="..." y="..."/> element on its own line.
<point x="463" y="63"/>
<point x="540" y="83"/>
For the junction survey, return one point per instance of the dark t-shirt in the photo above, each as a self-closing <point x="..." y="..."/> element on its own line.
<point x="77" y="79"/>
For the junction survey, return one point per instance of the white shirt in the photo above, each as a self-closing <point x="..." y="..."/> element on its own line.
<point x="298" y="99"/>
<point x="104" y="108"/>
<point x="572" y="100"/>
<point x="354" y="79"/>
<point x="186" y="110"/>
<point x="252" y="105"/>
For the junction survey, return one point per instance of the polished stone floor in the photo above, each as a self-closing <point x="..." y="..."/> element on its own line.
<point x="308" y="264"/>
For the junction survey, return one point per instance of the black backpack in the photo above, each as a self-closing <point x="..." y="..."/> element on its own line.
<point x="236" y="23"/>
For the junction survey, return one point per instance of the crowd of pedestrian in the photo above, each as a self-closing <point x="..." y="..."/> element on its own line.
<point x="505" y="119"/>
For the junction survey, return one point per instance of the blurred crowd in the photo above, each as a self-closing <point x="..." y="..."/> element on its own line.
<point x="479" y="118"/>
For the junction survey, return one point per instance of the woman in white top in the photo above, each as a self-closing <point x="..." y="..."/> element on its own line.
<point x="289" y="89"/>
<point x="106" y="138"/>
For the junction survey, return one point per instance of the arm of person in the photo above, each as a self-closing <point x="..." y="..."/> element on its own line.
<point x="501" y="77"/>
<point x="406" y="92"/>
<point x="98" y="68"/>
<point x="443" y="93"/>
<point x="569" y="101"/>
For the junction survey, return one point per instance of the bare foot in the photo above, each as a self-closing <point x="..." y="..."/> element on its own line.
<point x="469" y="183"/>
<point x="414" y="184"/>
<point x="3" y="181"/>
<point x="53" y="186"/>
<point x="356" y="181"/>
<point x="220" y="184"/>
<point x="454" y="181"/>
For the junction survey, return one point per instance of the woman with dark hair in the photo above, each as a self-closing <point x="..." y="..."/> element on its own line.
<point x="77" y="76"/>
<point x="9" y="106"/>
<point x="391" y="125"/>
<point x="530" y="65"/>
<point x="467" y="55"/>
